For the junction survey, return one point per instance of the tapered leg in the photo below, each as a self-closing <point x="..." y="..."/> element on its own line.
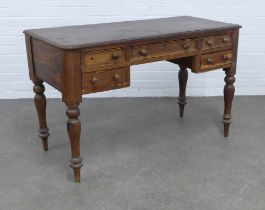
<point x="74" y="130"/>
<point x="183" y="77"/>
<point x="229" y="90"/>
<point x="40" y="103"/>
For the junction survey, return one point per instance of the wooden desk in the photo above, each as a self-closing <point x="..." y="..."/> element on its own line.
<point x="78" y="60"/>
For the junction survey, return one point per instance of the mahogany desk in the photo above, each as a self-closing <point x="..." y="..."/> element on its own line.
<point x="78" y="60"/>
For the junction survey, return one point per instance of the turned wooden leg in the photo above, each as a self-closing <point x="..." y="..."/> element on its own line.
<point x="229" y="90"/>
<point x="183" y="77"/>
<point x="74" y="130"/>
<point x="40" y="103"/>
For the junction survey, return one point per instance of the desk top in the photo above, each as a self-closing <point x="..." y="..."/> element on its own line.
<point x="74" y="37"/>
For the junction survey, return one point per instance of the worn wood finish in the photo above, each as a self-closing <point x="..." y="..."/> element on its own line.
<point x="40" y="104"/>
<point x="72" y="98"/>
<point x="102" y="59"/>
<point x="32" y="74"/>
<point x="74" y="130"/>
<point x="215" y="60"/>
<point x="183" y="77"/>
<point x="143" y="52"/>
<point x="229" y="91"/>
<point x="72" y="84"/>
<point x="48" y="65"/>
<point x="216" y="41"/>
<point x="39" y="99"/>
<point x="105" y="80"/>
<point x="76" y="37"/>
<point x="77" y="60"/>
<point x="229" y="88"/>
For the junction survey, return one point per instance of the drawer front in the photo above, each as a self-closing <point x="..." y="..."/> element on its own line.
<point x="102" y="59"/>
<point x="105" y="80"/>
<point x="148" y="51"/>
<point x="216" y="60"/>
<point x="216" y="41"/>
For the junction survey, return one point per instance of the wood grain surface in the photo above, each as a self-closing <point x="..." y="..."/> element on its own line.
<point x="73" y="37"/>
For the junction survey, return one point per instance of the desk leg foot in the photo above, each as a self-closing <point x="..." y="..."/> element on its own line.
<point x="229" y="91"/>
<point x="183" y="77"/>
<point x="40" y="104"/>
<point x="74" y="130"/>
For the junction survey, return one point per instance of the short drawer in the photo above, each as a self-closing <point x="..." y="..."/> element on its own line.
<point x="102" y="59"/>
<point x="215" y="60"/>
<point x="147" y="51"/>
<point x="105" y="80"/>
<point x="216" y="41"/>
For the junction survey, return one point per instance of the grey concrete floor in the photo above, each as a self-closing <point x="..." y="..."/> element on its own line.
<point x="138" y="155"/>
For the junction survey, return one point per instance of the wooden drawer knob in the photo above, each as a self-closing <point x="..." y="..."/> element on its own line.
<point x="94" y="80"/>
<point x="143" y="52"/>
<point x="210" y="42"/>
<point x="185" y="46"/>
<point x="225" y="57"/>
<point x="115" y="56"/>
<point x="225" y="40"/>
<point x="209" y="61"/>
<point x="116" y="77"/>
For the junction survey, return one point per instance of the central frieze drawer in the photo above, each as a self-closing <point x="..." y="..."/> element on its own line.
<point x="147" y="51"/>
<point x="102" y="59"/>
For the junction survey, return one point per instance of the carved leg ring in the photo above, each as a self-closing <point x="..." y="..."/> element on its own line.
<point x="40" y="103"/>
<point x="229" y="90"/>
<point x="74" y="130"/>
<point x="183" y="77"/>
